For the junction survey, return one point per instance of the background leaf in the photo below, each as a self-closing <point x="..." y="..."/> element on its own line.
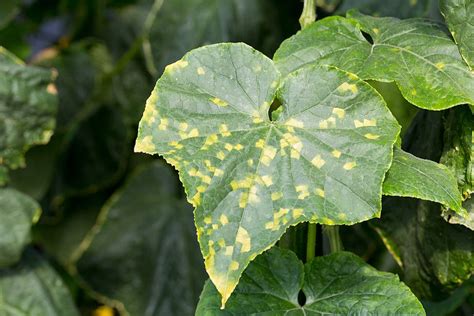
<point x="340" y="283"/>
<point x="459" y="15"/>
<point x="18" y="212"/>
<point x="142" y="253"/>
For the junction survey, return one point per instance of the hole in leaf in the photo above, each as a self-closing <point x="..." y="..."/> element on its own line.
<point x="301" y="298"/>
<point x="368" y="37"/>
<point x="275" y="110"/>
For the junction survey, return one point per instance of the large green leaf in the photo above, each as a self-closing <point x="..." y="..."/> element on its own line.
<point x="459" y="15"/>
<point x="142" y="254"/>
<point x="416" y="54"/>
<point x="410" y="176"/>
<point x="27" y="109"/>
<point x="33" y="288"/>
<point x="340" y="283"/>
<point x="400" y="8"/>
<point x="458" y="155"/>
<point x="18" y="212"/>
<point x="323" y="160"/>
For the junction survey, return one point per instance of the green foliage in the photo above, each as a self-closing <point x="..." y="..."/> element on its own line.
<point x="340" y="283"/>
<point x="268" y="152"/>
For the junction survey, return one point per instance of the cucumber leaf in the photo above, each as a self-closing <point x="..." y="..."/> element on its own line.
<point x="410" y="176"/>
<point x="33" y="288"/>
<point x="340" y="283"/>
<point x="459" y="15"/>
<point x="18" y="212"/>
<point x="149" y="230"/>
<point x="250" y="178"/>
<point x="27" y="110"/>
<point x="416" y="54"/>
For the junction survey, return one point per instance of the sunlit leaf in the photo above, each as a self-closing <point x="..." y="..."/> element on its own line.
<point x="410" y="176"/>
<point x="27" y="110"/>
<point x="459" y="15"/>
<point x="340" y="283"/>
<point x="249" y="177"/>
<point x="18" y="212"/>
<point x="149" y="231"/>
<point x="416" y="54"/>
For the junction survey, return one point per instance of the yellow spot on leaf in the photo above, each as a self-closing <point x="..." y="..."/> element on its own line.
<point x="303" y="191"/>
<point x="220" y="155"/>
<point x="297" y="212"/>
<point x="267" y="180"/>
<point x="224" y="130"/>
<point x="218" y="172"/>
<point x="145" y="145"/>
<point x="243" y="238"/>
<point x="376" y="31"/>
<point x="163" y="124"/>
<point x="323" y="124"/>
<point x="440" y="65"/>
<point x="295" y="123"/>
<point x="319" y="192"/>
<point x="341" y="216"/>
<point x="219" y="102"/>
<point x="339" y="112"/>
<point x="257" y="120"/>
<point x="365" y="123"/>
<point x="175" y="145"/>
<point x="193" y="133"/>
<point x="348" y="87"/>
<point x="336" y="153"/>
<point x="207" y="220"/>
<point x="371" y="136"/>
<point x="223" y="219"/>
<point x="234" y="265"/>
<point x="276" y="196"/>
<point x="349" y="165"/>
<point x="260" y="143"/>
<point x="238" y="147"/>
<point x="228" y="147"/>
<point x="244" y="198"/>
<point x="327" y="221"/>
<point x="177" y="65"/>
<point x="183" y="126"/>
<point x="229" y="250"/>
<point x="318" y="161"/>
<point x="201" y="71"/>
<point x="268" y="154"/>
<point x="196" y="199"/>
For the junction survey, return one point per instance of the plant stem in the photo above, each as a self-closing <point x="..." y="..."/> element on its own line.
<point x="311" y="243"/>
<point x="308" y="15"/>
<point x="335" y="243"/>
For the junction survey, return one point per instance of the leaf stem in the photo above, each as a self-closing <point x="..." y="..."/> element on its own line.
<point x="308" y="15"/>
<point x="311" y="243"/>
<point x="335" y="242"/>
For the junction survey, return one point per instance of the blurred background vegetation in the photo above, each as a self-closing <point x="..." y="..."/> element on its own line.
<point x="115" y="224"/>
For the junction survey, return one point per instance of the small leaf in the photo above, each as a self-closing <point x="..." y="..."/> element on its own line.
<point x="149" y="231"/>
<point x="459" y="15"/>
<point x="27" y="110"/>
<point x="340" y="283"/>
<point x="33" y="288"/>
<point x="18" y="212"/>
<point x="322" y="160"/>
<point x="416" y="54"/>
<point x="410" y="176"/>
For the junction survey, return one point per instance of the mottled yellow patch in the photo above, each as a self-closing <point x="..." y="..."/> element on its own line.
<point x="295" y="154"/>
<point x="223" y="219"/>
<point x="348" y="87"/>
<point x="297" y="212"/>
<point x="323" y="124"/>
<point x="274" y="84"/>
<point x="207" y="220"/>
<point x="295" y="123"/>
<point x="260" y="143"/>
<point x="244" y="198"/>
<point x="163" y="124"/>
<point x="319" y="192"/>
<point x="413" y="91"/>
<point x="243" y="238"/>
<point x="228" y="146"/>
<point x="318" y="161"/>
<point x="365" y="123"/>
<point x="303" y="191"/>
<point x="283" y="143"/>
<point x="201" y="188"/>
<point x="180" y="64"/>
<point x="145" y="145"/>
<point x="224" y="130"/>
<point x="175" y="144"/>
<point x="229" y="250"/>
<point x="234" y="265"/>
<point x="196" y="199"/>
<point x="336" y="153"/>
<point x="238" y="147"/>
<point x="440" y="65"/>
<point x="193" y="133"/>
<point x="250" y="162"/>
<point x="218" y="172"/>
<point x="340" y="113"/>
<point x="376" y="31"/>
<point x="206" y="179"/>
<point x="257" y="120"/>
<point x="349" y="165"/>
<point x="327" y="221"/>
<point x="276" y="196"/>
<point x="220" y="155"/>
<point x="371" y="136"/>
<point x="193" y="172"/>
<point x="210" y="140"/>
<point x="270" y="225"/>
<point x="268" y="154"/>
<point x="219" y="102"/>
<point x="215" y="226"/>
<point x="267" y="180"/>
<point x="200" y="71"/>
<point x="342" y="216"/>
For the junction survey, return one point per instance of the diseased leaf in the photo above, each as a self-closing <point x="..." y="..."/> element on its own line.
<point x="340" y="283"/>
<point x="142" y="253"/>
<point x="18" y="212"/>
<point x="416" y="54"/>
<point x="27" y="109"/>
<point x="459" y="15"/>
<point x="410" y="176"/>
<point x="250" y="178"/>
<point x="33" y="288"/>
<point x="458" y="154"/>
